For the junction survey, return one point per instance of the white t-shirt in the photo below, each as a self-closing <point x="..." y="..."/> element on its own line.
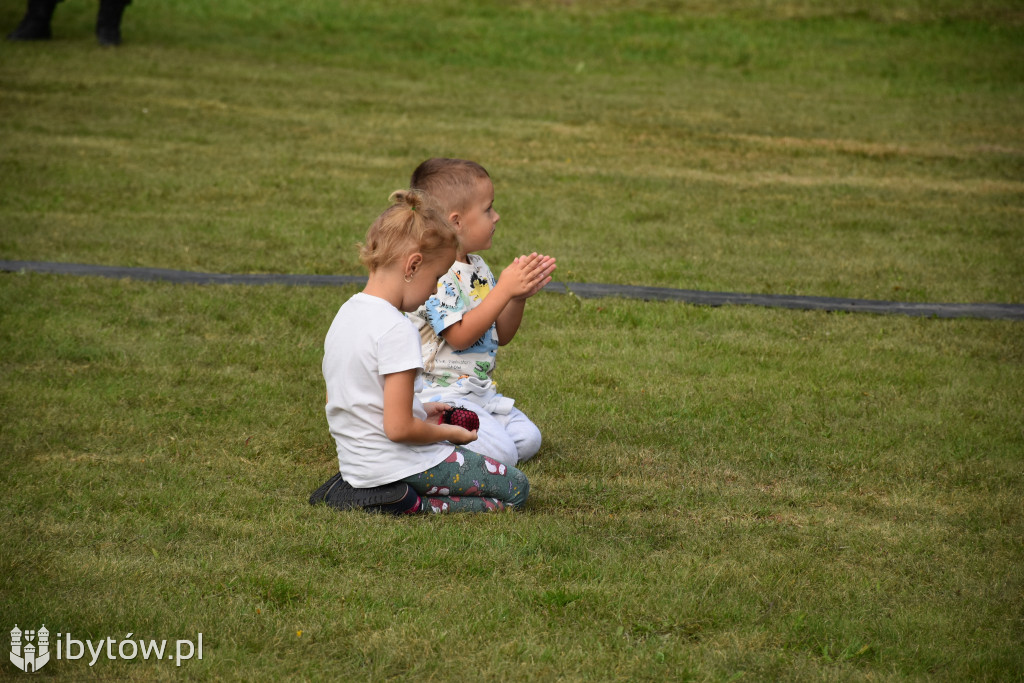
<point x="368" y="339"/>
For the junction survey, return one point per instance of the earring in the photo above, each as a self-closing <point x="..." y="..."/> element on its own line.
<point x="408" y="278"/>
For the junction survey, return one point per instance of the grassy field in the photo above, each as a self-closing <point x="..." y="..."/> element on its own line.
<point x="723" y="494"/>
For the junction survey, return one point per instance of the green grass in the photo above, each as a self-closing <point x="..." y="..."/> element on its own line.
<point x="723" y="494"/>
<point x="872" y="154"/>
<point x="795" y="495"/>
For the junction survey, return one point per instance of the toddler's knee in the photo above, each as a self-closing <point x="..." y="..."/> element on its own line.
<point x="528" y="443"/>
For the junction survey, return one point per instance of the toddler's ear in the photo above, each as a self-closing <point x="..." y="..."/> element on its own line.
<point x="453" y="218"/>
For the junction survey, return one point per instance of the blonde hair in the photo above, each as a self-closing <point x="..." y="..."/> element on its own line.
<point x="412" y="223"/>
<point x="451" y="182"/>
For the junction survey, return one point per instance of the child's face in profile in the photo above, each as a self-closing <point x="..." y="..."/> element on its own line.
<point x="424" y="283"/>
<point x="477" y="222"/>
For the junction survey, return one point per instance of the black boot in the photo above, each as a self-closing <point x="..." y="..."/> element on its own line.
<point x="36" y="23"/>
<point x="108" y="22"/>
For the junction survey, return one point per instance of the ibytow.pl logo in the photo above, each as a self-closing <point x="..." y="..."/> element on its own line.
<point x="31" y="650"/>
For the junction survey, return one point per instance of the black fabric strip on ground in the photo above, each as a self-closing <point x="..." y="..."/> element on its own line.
<point x="587" y="290"/>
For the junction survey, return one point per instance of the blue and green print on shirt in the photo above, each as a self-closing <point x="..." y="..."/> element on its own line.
<point x="458" y="292"/>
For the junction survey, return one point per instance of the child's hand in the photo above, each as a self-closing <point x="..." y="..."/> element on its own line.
<point x="527" y="275"/>
<point x="452" y="433"/>
<point x="545" y="267"/>
<point x="458" y="435"/>
<point x="434" y="411"/>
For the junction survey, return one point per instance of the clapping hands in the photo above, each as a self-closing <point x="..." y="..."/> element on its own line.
<point x="527" y="275"/>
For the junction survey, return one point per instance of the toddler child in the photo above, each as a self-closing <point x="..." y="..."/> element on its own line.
<point x="471" y="314"/>
<point x="371" y="365"/>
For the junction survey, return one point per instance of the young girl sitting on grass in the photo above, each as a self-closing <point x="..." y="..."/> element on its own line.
<point x="372" y="362"/>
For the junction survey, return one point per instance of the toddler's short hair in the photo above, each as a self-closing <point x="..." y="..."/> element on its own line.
<point x="451" y="182"/>
<point x="412" y="223"/>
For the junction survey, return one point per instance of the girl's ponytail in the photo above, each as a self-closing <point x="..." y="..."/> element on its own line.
<point x="412" y="223"/>
<point x="412" y="199"/>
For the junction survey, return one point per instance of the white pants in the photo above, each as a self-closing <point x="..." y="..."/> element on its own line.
<point x="509" y="439"/>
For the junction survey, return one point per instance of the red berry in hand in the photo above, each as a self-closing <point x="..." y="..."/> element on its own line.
<point x="460" y="417"/>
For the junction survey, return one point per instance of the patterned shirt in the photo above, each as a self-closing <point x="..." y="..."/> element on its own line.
<point x="459" y="291"/>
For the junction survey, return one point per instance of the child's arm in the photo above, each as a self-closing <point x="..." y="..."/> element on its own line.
<point x="523" y="278"/>
<point x="399" y="424"/>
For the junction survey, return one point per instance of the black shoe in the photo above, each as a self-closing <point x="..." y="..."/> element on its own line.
<point x="394" y="498"/>
<point x="35" y="25"/>
<point x="31" y="30"/>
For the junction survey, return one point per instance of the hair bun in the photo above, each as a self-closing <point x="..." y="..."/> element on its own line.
<point x="411" y="223"/>
<point x="413" y="199"/>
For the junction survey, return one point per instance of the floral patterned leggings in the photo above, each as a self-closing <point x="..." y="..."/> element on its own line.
<point x="469" y="482"/>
